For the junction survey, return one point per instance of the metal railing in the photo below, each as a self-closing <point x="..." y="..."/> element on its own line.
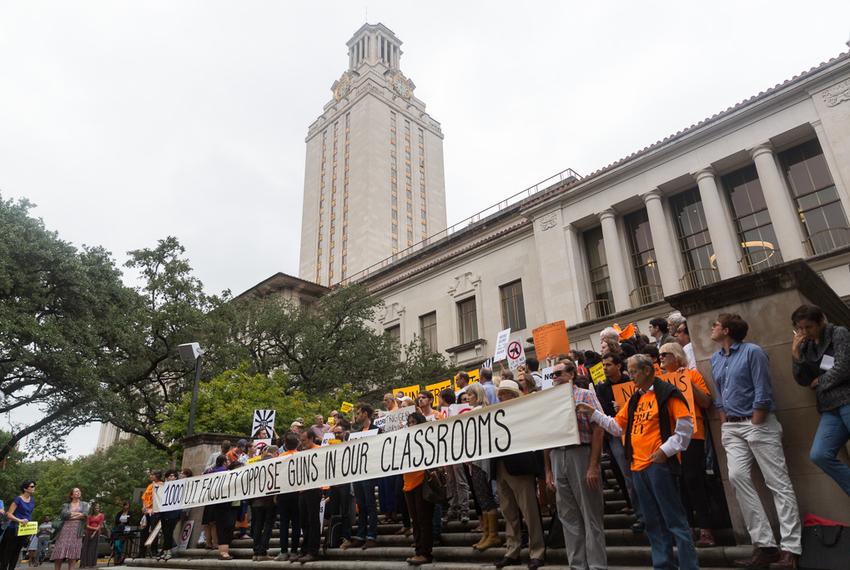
<point x="597" y="309"/>
<point x="645" y="294"/>
<point x="565" y="175"/>
<point x="827" y="240"/>
<point x="698" y="278"/>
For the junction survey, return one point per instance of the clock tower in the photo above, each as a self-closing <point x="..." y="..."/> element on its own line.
<point x="374" y="183"/>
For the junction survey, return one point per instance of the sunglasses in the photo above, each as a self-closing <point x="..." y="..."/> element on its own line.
<point x="663" y="354"/>
<point x="557" y="373"/>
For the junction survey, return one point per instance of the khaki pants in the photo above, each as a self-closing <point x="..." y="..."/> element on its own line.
<point x="745" y="443"/>
<point x="518" y="495"/>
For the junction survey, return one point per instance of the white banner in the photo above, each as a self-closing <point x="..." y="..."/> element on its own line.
<point x="538" y="421"/>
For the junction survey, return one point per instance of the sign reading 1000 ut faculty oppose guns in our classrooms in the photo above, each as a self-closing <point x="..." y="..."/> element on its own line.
<point x="538" y="421"/>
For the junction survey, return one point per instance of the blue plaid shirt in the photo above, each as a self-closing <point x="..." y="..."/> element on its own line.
<point x="585" y="428"/>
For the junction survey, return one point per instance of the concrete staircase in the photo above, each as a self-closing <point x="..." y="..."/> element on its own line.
<point x="626" y="550"/>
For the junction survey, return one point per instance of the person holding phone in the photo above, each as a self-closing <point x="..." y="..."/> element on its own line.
<point x="20" y="512"/>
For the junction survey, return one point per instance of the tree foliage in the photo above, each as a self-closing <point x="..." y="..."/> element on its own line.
<point x="227" y="402"/>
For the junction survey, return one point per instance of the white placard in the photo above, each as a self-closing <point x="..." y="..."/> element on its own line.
<point x="395" y="420"/>
<point x="263" y="419"/>
<point x="548" y="379"/>
<point x="326" y="438"/>
<point x="355" y="435"/>
<point x="540" y="420"/>
<point x="516" y="355"/>
<point x="458" y="409"/>
<point x="186" y="534"/>
<point x="502" y="345"/>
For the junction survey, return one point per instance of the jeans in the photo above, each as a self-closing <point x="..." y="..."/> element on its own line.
<point x="833" y="433"/>
<point x="367" y="514"/>
<point x="665" y="518"/>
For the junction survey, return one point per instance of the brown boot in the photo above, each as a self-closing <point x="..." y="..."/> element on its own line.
<point x="761" y="558"/>
<point x="485" y="531"/>
<point x="493" y="538"/>
<point x="786" y="560"/>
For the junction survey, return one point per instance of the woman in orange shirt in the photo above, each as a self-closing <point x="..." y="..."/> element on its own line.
<point x="421" y="511"/>
<point x="675" y="370"/>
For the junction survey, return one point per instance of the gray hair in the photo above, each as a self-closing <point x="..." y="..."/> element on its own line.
<point x="610" y="333"/>
<point x="675" y="319"/>
<point x="643" y="361"/>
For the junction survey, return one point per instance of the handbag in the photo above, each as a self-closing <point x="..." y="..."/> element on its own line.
<point x="825" y="547"/>
<point x="434" y="488"/>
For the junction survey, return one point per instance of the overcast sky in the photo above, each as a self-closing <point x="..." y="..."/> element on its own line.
<point x="126" y="122"/>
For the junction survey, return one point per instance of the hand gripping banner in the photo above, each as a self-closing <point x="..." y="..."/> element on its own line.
<point x="539" y="421"/>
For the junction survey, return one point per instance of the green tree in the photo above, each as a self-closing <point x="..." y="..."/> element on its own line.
<point x="423" y="366"/>
<point x="227" y="402"/>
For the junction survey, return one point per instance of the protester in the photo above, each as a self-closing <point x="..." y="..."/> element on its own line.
<point x="120" y="531"/>
<point x="69" y="539"/>
<point x="91" y="536"/>
<point x="751" y="431"/>
<point x="19" y="512"/>
<point x="675" y="371"/>
<point x="45" y="532"/>
<point x="486" y="382"/>
<point x="821" y="353"/>
<point x="424" y="402"/>
<point x="532" y="368"/>
<point x="390" y="403"/>
<point x="224" y="514"/>
<point x="457" y="487"/>
<point x="482" y="489"/>
<point x="609" y="340"/>
<point x="573" y="471"/>
<point x="461" y="383"/>
<point x="658" y="330"/>
<point x="657" y="425"/>
<point x="421" y="511"/>
<point x="364" y="495"/>
<point x="405" y="401"/>
<point x="515" y="475"/>
<point x="169" y="520"/>
<point x="683" y="337"/>
<point x="309" y="503"/>
<point x="289" y="519"/>
<point x="612" y="366"/>
<point x="525" y="381"/>
<point x="320" y="428"/>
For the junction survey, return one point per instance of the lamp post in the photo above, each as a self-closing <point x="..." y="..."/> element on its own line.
<point x="191" y="353"/>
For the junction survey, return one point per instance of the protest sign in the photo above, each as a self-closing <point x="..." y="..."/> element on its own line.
<point x="680" y="380"/>
<point x="28" y="529"/>
<point x="327" y="437"/>
<point x="435" y="389"/>
<point x="395" y="420"/>
<point x="458" y="409"/>
<point x="516" y="355"/>
<point x="597" y="373"/>
<point x="533" y="422"/>
<point x="263" y="420"/>
<point x="154" y="533"/>
<point x="623" y="391"/>
<point x="361" y="434"/>
<point x="346" y="407"/>
<point x="409" y="391"/>
<point x="548" y="378"/>
<point x="551" y="340"/>
<point x="488" y="364"/>
<point x="502" y="345"/>
<point x="474" y="375"/>
<point x="186" y="534"/>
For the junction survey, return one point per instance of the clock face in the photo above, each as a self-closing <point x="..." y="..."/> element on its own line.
<point x="401" y="85"/>
<point x="343" y="86"/>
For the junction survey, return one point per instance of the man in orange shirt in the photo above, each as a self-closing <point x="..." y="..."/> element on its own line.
<point x="658" y="426"/>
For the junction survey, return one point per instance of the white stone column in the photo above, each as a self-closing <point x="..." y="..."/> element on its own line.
<point x="723" y="239"/>
<point x="581" y="291"/>
<point x="783" y="211"/>
<point x="840" y="185"/>
<point x="663" y="241"/>
<point x="616" y="263"/>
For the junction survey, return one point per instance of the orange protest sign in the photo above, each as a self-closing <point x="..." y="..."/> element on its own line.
<point x="435" y="389"/>
<point x="680" y="380"/>
<point x="409" y="391"/>
<point x="551" y="340"/>
<point x="623" y="391"/>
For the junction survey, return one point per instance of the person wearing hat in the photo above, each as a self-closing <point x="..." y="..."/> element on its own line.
<point x="296" y="426"/>
<point x="516" y="476"/>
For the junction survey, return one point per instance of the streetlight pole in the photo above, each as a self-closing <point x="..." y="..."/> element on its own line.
<point x="191" y="353"/>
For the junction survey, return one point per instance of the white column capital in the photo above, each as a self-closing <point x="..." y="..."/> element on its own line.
<point x="607" y="214"/>
<point x="654" y="194"/>
<point x="762" y="148"/>
<point x="707" y="172"/>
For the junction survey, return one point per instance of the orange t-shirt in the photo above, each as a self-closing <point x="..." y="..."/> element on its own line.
<point x="696" y="380"/>
<point x="147" y="497"/>
<point x="413" y="480"/>
<point x="646" y="431"/>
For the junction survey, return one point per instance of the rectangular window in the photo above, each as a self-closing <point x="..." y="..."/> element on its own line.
<point x="394" y="332"/>
<point x="694" y="241"/>
<point x="600" y="284"/>
<point x="644" y="260"/>
<point x="752" y="220"/>
<point x="428" y="330"/>
<point x="817" y="199"/>
<point x="467" y="320"/>
<point x="513" y="308"/>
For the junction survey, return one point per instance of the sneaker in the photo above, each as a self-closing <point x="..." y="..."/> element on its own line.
<point x="282" y="557"/>
<point x="638" y="527"/>
<point x="166" y="557"/>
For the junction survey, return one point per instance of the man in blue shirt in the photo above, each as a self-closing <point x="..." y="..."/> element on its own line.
<point x="489" y="387"/>
<point x="750" y="431"/>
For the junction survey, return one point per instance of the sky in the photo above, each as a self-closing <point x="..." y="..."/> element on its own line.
<point x="126" y="122"/>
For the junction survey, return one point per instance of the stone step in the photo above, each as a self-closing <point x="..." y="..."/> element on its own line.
<point x="613" y="537"/>
<point x="332" y="565"/>
<point x="718" y="556"/>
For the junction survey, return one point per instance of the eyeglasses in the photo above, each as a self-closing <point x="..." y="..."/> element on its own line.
<point x="663" y="354"/>
<point x="557" y="373"/>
